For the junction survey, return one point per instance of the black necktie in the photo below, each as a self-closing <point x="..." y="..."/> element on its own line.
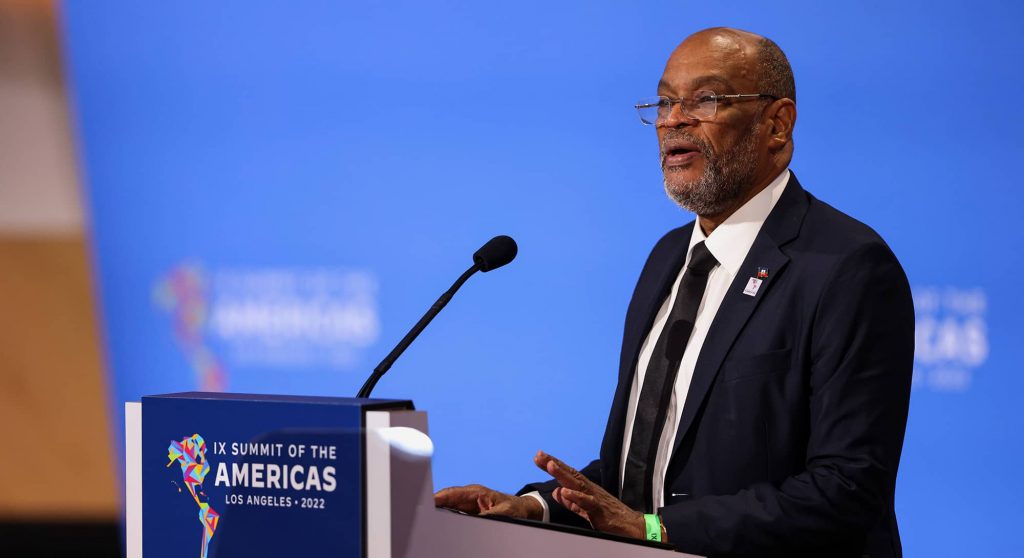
<point x="656" y="392"/>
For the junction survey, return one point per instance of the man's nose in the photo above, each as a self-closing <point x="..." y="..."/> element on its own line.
<point x="675" y="118"/>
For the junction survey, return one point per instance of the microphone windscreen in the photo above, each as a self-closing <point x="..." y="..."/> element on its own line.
<point x="497" y="252"/>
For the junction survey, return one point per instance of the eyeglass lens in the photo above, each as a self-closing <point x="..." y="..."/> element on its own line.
<point x="700" y="105"/>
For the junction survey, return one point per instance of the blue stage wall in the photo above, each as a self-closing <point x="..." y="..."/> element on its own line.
<point x="278" y="191"/>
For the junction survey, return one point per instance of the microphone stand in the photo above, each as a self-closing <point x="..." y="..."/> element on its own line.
<point x="385" y="364"/>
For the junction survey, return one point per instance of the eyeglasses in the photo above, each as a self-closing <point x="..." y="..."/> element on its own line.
<point x="701" y="105"/>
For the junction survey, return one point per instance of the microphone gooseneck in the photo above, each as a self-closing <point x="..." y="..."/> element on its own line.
<point x="497" y="252"/>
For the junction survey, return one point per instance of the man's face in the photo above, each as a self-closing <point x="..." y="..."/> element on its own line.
<point x="708" y="164"/>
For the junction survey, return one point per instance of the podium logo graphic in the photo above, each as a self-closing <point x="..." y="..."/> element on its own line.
<point x="190" y="454"/>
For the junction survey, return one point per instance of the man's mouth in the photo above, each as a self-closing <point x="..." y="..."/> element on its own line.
<point x="680" y="154"/>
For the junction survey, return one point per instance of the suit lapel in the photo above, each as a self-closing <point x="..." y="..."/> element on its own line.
<point x="782" y="225"/>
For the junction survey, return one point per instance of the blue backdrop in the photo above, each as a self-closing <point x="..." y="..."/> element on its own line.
<point x="277" y="191"/>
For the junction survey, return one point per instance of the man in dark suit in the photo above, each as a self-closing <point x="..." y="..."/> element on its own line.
<point x="768" y="348"/>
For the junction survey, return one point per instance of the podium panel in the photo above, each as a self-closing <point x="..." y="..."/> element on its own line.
<point x="225" y="475"/>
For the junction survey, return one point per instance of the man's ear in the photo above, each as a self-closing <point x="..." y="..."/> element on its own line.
<point x="781" y="119"/>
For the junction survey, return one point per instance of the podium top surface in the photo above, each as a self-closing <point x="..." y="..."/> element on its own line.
<point x="300" y="399"/>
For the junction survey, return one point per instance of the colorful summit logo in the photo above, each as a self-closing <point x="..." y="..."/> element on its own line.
<point x="183" y="293"/>
<point x="229" y="320"/>
<point x="190" y="454"/>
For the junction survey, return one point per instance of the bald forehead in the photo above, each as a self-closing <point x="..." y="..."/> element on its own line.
<point x="726" y="37"/>
<point x="720" y="55"/>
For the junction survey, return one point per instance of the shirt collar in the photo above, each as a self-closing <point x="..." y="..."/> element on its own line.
<point x="730" y="241"/>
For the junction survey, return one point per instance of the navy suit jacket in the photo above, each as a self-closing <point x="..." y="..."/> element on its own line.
<point x="792" y="429"/>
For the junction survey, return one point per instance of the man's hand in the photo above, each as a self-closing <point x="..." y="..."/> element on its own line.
<point x="591" y="502"/>
<point x="480" y="500"/>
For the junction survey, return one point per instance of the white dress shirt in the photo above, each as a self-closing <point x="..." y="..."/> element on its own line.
<point x="729" y="244"/>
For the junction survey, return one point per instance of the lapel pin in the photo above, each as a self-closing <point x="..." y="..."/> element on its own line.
<point x="752" y="285"/>
<point x="762" y="273"/>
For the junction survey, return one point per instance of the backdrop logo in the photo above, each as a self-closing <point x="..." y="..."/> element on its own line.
<point x="183" y="293"/>
<point x="231" y="318"/>
<point x="190" y="454"/>
<point x="951" y="336"/>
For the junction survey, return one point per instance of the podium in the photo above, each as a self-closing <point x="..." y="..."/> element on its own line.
<point x="215" y="475"/>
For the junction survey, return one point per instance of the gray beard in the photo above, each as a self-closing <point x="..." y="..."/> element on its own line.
<point x="723" y="179"/>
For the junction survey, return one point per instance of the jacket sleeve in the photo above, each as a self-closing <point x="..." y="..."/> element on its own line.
<point x="861" y="363"/>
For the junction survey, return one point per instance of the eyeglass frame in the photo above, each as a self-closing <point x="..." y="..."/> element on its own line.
<point x="716" y="97"/>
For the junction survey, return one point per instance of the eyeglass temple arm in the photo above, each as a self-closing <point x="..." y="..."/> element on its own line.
<point x="745" y="95"/>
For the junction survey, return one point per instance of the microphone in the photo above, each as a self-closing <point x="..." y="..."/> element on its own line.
<point x="497" y="252"/>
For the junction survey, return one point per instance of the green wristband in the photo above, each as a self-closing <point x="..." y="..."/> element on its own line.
<point x="653" y="523"/>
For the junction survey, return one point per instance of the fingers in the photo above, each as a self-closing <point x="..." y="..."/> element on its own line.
<point x="444" y="497"/>
<point x="586" y="502"/>
<point x="513" y="506"/>
<point x="462" y="498"/>
<point x="505" y="508"/>
<point x="491" y="510"/>
<point x="452" y="498"/>
<point x="542" y="459"/>
<point x="564" y="474"/>
<point x="583" y="505"/>
<point x="449" y="496"/>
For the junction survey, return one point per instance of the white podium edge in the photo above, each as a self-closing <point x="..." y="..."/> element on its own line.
<point x="133" y="478"/>
<point x="378" y="484"/>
